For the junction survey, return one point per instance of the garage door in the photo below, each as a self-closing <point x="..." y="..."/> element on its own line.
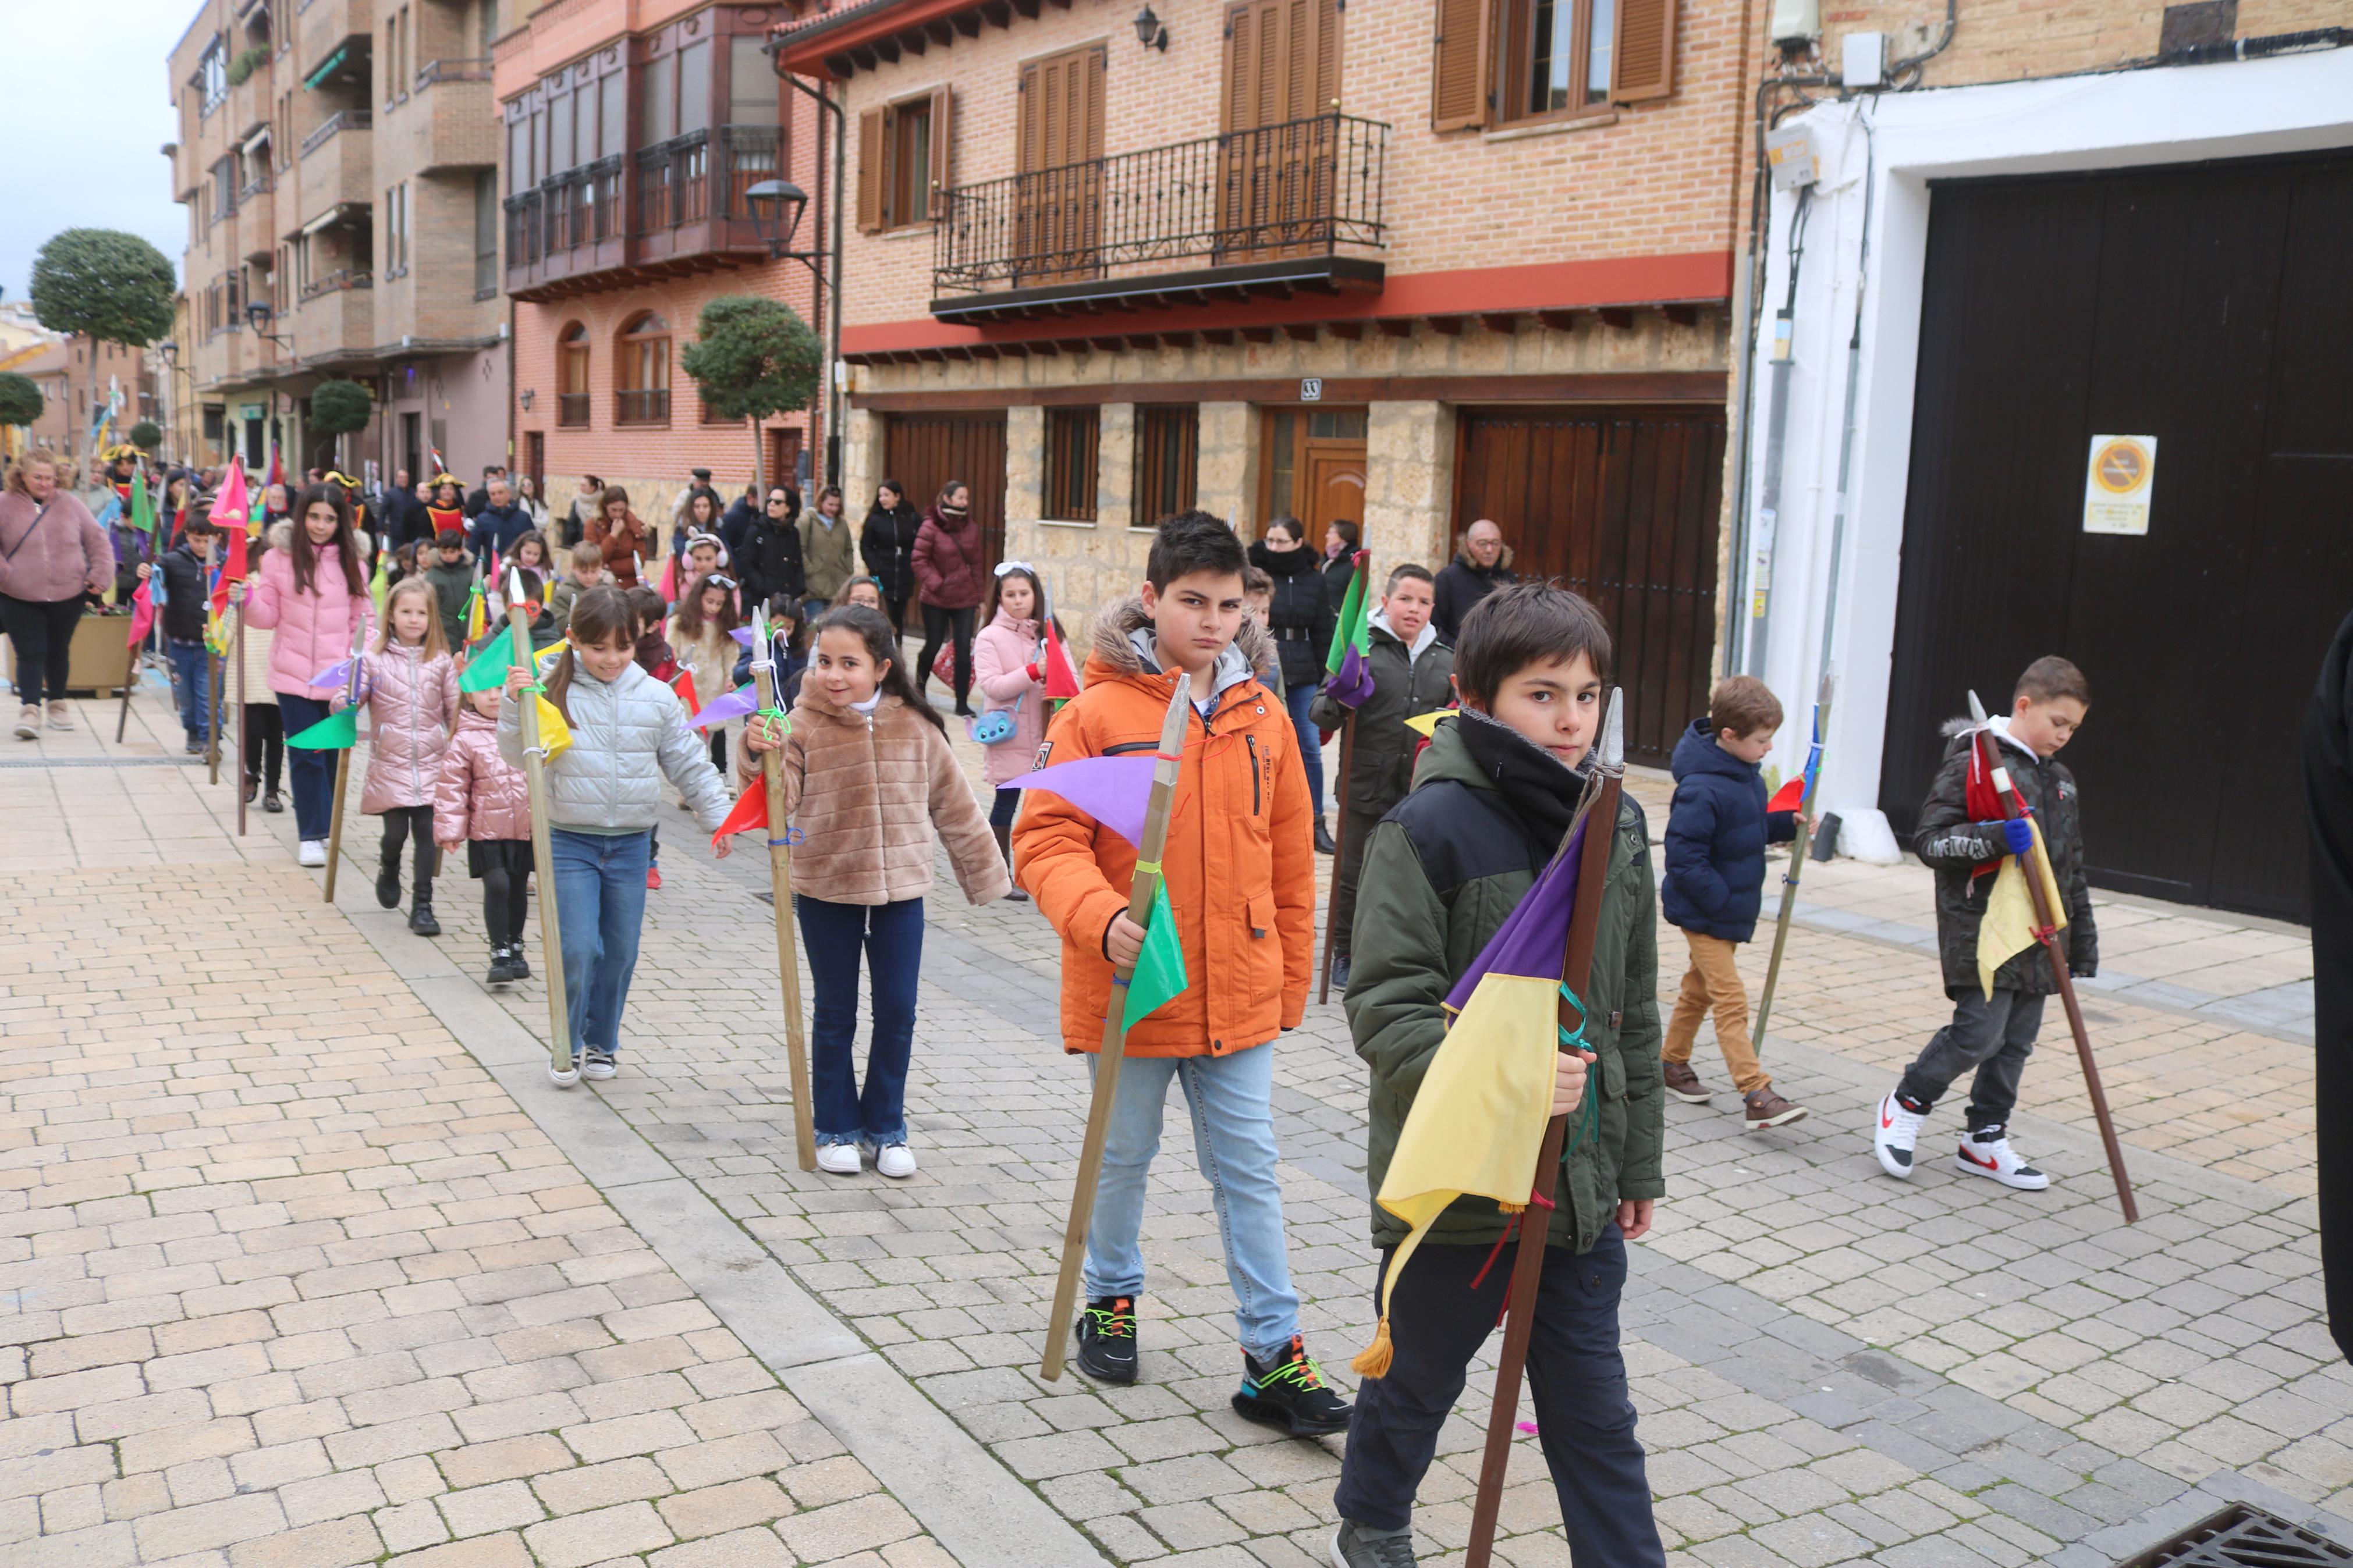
<point x="924" y="451"/>
<point x="2205" y="306"/>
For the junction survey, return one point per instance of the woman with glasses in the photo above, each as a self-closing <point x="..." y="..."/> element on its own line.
<point x="770" y="560"/>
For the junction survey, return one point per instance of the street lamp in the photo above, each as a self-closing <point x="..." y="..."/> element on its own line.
<point x="1150" y="32"/>
<point x="258" y="314"/>
<point x="777" y="207"/>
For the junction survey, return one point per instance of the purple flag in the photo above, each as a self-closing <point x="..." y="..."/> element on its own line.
<point x="1352" y="685"/>
<point x="741" y="635"/>
<point x="1114" y="790"/>
<point x="333" y="674"/>
<point x="741" y="703"/>
<point x="1530" y="940"/>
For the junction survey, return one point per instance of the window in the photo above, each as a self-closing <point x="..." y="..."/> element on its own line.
<point x="486" y="233"/>
<point x="1071" y="439"/>
<point x="1501" y="62"/>
<point x="559" y="132"/>
<point x="751" y="82"/>
<point x="216" y="419"/>
<point x="1167" y="441"/>
<point x="396" y="230"/>
<point x="656" y="103"/>
<point x="613" y="121"/>
<point x="488" y="17"/>
<point x="212" y="74"/>
<point x="693" y="87"/>
<point x="519" y="175"/>
<point x="642" y="372"/>
<point x="572" y="377"/>
<point x="902" y="161"/>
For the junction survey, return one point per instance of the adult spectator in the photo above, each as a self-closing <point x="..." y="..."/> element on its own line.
<point x="526" y="496"/>
<point x="736" y="523"/>
<point x="481" y="497"/>
<point x="621" y="534"/>
<point x="1300" y="617"/>
<point x="53" y="556"/>
<point x="500" y="522"/>
<point x="887" y="544"/>
<point x="585" y="505"/>
<point x="699" y="485"/>
<point x="828" y="554"/>
<point x="405" y="522"/>
<point x="770" y="559"/>
<point x="950" y="571"/>
<point x="1482" y="563"/>
<point x="1340" y="558"/>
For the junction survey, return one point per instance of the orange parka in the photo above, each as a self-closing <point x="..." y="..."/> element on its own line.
<point x="1240" y="861"/>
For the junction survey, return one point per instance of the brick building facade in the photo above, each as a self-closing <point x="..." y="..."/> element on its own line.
<point x="634" y="133"/>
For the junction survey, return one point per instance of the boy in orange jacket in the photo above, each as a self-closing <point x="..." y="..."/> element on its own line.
<point x="1241" y="874"/>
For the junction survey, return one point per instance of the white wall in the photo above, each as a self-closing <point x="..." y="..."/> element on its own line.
<point x="1882" y="152"/>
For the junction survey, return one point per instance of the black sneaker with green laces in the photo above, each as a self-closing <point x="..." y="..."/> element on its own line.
<point x="1291" y="1394"/>
<point x="1107" y="1339"/>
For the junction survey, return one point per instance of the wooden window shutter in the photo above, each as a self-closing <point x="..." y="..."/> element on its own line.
<point x="1242" y="69"/>
<point x="873" y="170"/>
<point x="943" y="108"/>
<point x="1457" y="72"/>
<point x="1642" y="65"/>
<point x="1089" y="141"/>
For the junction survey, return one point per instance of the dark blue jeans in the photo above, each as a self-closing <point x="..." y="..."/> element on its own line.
<point x="1584" y="1420"/>
<point x="1311" y="743"/>
<point x="312" y="775"/>
<point x="600" y="907"/>
<point x="192" y="683"/>
<point x="892" y="937"/>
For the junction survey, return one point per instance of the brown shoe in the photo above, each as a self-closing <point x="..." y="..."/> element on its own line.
<point x="1684" y="1084"/>
<point x="1766" y="1109"/>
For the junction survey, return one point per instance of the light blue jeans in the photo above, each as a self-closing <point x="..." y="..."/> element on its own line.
<point x="1233" y="1138"/>
<point x="600" y="904"/>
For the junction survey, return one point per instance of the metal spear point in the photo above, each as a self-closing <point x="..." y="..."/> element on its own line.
<point x="1610" y="755"/>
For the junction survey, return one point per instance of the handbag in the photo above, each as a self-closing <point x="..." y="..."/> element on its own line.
<point x="994" y="727"/>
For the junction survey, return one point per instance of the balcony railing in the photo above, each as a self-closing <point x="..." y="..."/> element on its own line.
<point x="572" y="409"/>
<point x="641" y="407"/>
<point x="258" y="186"/>
<point x="341" y="278"/>
<point x="342" y="120"/>
<point x="559" y="228"/>
<point x="477" y="69"/>
<point x="704" y="174"/>
<point x="1302" y="188"/>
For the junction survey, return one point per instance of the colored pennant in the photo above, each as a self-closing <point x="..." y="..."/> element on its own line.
<point x="1353" y="630"/>
<point x="1062" y="680"/>
<point x="380" y="585"/>
<point x="1789" y="797"/>
<point x="143" y="615"/>
<point x="1114" y="790"/>
<point x="554" y="734"/>
<point x="336" y="674"/>
<point x="741" y="703"/>
<point x="684" y="687"/>
<point x="335" y="732"/>
<point x="751" y="811"/>
<point x="2008" y="927"/>
<point x="1426" y="724"/>
<point x="487" y="670"/>
<point x="1159" y="976"/>
<point x="142" y="511"/>
<point x="670" y="580"/>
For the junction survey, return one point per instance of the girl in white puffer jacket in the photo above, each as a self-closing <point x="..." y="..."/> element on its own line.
<point x="604" y="794"/>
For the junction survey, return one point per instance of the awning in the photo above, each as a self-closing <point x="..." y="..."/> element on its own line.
<point x="316" y="76"/>
<point x="332" y="216"/>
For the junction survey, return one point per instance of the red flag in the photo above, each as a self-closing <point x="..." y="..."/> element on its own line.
<point x="670" y="580"/>
<point x="751" y="811"/>
<point x="143" y="614"/>
<point x="1789" y="797"/>
<point x="685" y="685"/>
<point x="229" y="514"/>
<point x="1062" y="680"/>
<point x="1978" y="793"/>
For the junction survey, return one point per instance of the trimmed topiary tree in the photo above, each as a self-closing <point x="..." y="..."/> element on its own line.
<point x="108" y="286"/>
<point x="752" y="358"/>
<point x="147" y="436"/>
<point x="338" y="408"/>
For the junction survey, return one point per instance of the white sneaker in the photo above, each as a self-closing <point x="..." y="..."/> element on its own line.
<point x="895" y="1161"/>
<point x="838" y="1159"/>
<point x="1983" y="1156"/>
<point x="313" y="853"/>
<point x="28" y="724"/>
<point x="599" y="1065"/>
<point x="1894" y="1134"/>
<point x="563" y="1077"/>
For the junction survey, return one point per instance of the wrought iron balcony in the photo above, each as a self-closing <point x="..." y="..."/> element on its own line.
<point x="1279" y="193"/>
<point x="344" y="120"/>
<point x="676" y="206"/>
<point x="641" y="406"/>
<point x="571" y="409"/>
<point x="452" y="70"/>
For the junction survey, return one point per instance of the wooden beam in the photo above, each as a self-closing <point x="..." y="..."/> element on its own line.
<point x="1697" y="393"/>
<point x="840" y="68"/>
<point x="1258" y="334"/>
<point x="942" y="31"/>
<point x="1177" y="340"/>
<point x="1108" y="345"/>
<point x="888" y="49"/>
<point x="1299" y="331"/>
<point x="1349" y="331"/>
<point x="1451" y="326"/>
<point x="864" y="58"/>
<point x="1499" y="321"/>
<point x="996" y="13"/>
<point x="967" y="23"/>
<point x="1223" y="337"/>
<point x="1141" y="342"/>
<point x="1027" y="8"/>
<point x="1558" y="320"/>
<point x="914" y="41"/>
<point x="981" y="351"/>
<point x="1395" y="326"/>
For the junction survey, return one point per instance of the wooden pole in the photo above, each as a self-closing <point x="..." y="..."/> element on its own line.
<point x="2038" y="875"/>
<point x="542" y="852"/>
<point x="1799" y="849"/>
<point x="342" y="760"/>
<point x="1599" y="814"/>
<point x="212" y="694"/>
<point x="780" y="889"/>
<point x="1165" y="765"/>
<point x="244" y="740"/>
<point x="1339" y="847"/>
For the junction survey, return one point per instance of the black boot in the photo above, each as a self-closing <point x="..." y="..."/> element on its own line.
<point x="502" y="966"/>
<point x="387" y="883"/>
<point x="1324" y="845"/>
<point x="420" y="917"/>
<point x="1005" y="848"/>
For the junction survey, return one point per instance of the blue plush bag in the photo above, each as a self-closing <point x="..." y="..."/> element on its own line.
<point x="994" y="727"/>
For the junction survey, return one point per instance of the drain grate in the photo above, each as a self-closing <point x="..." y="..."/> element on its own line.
<point x="101" y="762"/>
<point x="2243" y="1537"/>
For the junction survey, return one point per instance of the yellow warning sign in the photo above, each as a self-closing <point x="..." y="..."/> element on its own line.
<point x="2118" y="483"/>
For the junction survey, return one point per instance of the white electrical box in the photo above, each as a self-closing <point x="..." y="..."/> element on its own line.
<point x="1795" y="23"/>
<point x="1863" y="60"/>
<point x="1789" y="154"/>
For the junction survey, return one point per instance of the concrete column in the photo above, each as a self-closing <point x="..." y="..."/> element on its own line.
<point x="861" y="460"/>
<point x="1409" y="482"/>
<point x="1225" y="475"/>
<point x="1025" y="480"/>
<point x="1115" y="467"/>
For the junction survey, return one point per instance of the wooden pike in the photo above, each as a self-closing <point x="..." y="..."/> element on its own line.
<point x="212" y="698"/>
<point x="243" y="740"/>
<point x="543" y="853"/>
<point x="1340" y="806"/>
<point x="1600" y="814"/>
<point x="2038" y="877"/>
<point x="1797" y="852"/>
<point x="780" y="886"/>
<point x="1165" y="765"/>
<point x="343" y="762"/>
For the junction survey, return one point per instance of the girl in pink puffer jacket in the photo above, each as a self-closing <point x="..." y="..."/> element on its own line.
<point x="411" y="691"/>
<point x="1008" y="658"/>
<point x="312" y="592"/>
<point x="484" y="803"/>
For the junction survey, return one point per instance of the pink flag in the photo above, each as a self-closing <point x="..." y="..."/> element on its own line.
<point x="230" y="511"/>
<point x="143" y="615"/>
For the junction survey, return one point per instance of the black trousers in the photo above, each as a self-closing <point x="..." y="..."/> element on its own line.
<point x="398" y="824"/>
<point x="939" y="626"/>
<point x="1584" y="1420"/>
<point x="42" y="633"/>
<point x="262" y="743"/>
<point x="1356" y="828"/>
<point x="897" y="610"/>
<point x="504" y="865"/>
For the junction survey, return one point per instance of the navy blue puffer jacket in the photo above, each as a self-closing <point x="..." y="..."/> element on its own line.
<point x="1716" y="833"/>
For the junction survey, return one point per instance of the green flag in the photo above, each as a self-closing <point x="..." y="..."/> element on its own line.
<point x="1355" y="627"/>
<point x="335" y="732"/>
<point x="142" y="514"/>
<point x="487" y="670"/>
<point x="1160" y="968"/>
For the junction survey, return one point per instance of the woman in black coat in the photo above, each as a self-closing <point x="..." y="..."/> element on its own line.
<point x="1301" y="617"/>
<point x="887" y="545"/>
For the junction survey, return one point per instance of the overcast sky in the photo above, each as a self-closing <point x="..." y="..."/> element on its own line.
<point x="87" y="107"/>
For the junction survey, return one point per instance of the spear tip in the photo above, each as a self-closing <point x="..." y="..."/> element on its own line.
<point x="1977" y="709"/>
<point x="1612" y="752"/>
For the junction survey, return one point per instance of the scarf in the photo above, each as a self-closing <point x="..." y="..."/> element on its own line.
<point x="1539" y="791"/>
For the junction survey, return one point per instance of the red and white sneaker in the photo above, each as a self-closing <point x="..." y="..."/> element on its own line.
<point x="1988" y="1153"/>
<point x="1894" y="1134"/>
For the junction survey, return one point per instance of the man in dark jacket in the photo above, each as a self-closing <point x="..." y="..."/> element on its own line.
<point x="1964" y="841"/>
<point x="1482" y="563"/>
<point x="184" y="601"/>
<point x="1300" y="615"/>
<point x="499" y="524"/>
<point x="1714" y="884"/>
<point x="1413" y="674"/>
<point x="404" y="521"/>
<point x="770" y="557"/>
<point x="737" y="523"/>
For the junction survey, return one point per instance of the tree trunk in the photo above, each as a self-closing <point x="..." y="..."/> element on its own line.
<point x="759" y="479"/>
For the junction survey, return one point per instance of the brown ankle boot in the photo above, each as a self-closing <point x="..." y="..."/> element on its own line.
<point x="1765" y="1109"/>
<point x="1684" y="1084"/>
<point x="1005" y="848"/>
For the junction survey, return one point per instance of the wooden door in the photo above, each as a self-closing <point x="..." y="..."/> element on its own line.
<point x="1283" y="82"/>
<point x="534" y="462"/>
<point x="924" y="451"/>
<point x="1618" y="504"/>
<point x="1333" y="486"/>
<point x="1057" y="199"/>
<point x="1311" y="467"/>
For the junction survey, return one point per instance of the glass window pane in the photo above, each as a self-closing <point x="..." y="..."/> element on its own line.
<point x="915" y="145"/>
<point x="1549" y="52"/>
<point x="559" y="134"/>
<point x="612" y="136"/>
<point x="1601" y="42"/>
<point x="694" y="87"/>
<point x="1283" y="444"/>
<point x="519" y="155"/>
<point x="655" y="122"/>
<point x="752" y="83"/>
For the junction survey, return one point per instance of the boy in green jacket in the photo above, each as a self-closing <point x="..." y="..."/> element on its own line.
<point x="1492" y="801"/>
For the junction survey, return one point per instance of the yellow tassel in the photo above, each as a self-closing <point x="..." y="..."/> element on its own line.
<point x="1511" y="1208"/>
<point x="1374" y="1360"/>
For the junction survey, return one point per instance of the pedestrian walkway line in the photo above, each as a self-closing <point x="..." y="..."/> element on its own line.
<point x="969" y="1503"/>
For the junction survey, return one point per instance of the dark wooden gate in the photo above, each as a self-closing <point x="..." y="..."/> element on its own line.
<point x="924" y="451"/>
<point x="1619" y="504"/>
<point x="2205" y="306"/>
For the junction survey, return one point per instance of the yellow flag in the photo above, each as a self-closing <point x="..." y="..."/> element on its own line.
<point x="2007" y="929"/>
<point x="554" y="734"/>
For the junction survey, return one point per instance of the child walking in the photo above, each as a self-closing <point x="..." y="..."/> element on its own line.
<point x="649" y="611"/>
<point x="1963" y="840"/>
<point x="411" y="692"/>
<point x="1241" y="869"/>
<point x="1717" y="829"/>
<point x="1008" y="664"/>
<point x="699" y="637"/>
<point x="629" y="733"/>
<point x="1492" y="799"/>
<point x="585" y="570"/>
<point x="184" y="594"/>
<point x="261" y="733"/>
<point x="870" y="780"/>
<point x="313" y="595"/>
<point x="484" y="803"/>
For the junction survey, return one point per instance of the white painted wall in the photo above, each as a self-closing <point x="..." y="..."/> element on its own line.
<point x="1884" y="151"/>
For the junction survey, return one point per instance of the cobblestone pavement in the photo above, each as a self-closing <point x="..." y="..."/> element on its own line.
<point x="1830" y="1366"/>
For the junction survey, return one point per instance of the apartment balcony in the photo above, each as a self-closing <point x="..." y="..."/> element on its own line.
<point x="336" y="167"/>
<point x="1278" y="210"/>
<point x="331" y="38"/>
<point x="451" y="118"/>
<point x="334" y="319"/>
<point x="666" y="211"/>
<point x="248" y="105"/>
<point x="256" y="200"/>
